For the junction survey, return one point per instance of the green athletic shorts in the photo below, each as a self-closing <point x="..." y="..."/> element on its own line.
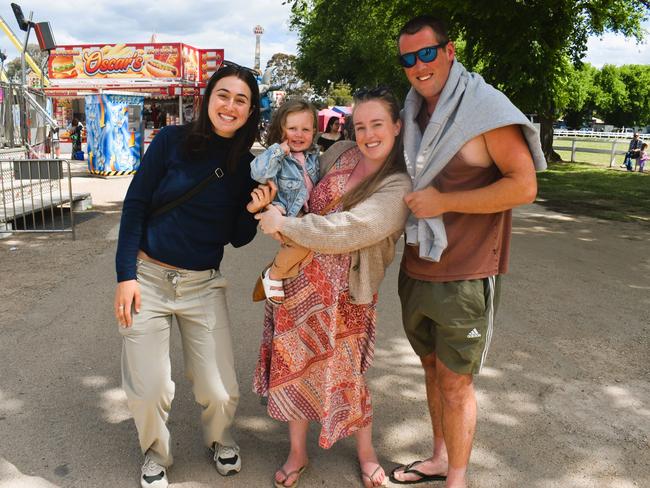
<point x="454" y="319"/>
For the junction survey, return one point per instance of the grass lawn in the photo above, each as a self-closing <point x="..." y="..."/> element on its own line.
<point x="594" y="190"/>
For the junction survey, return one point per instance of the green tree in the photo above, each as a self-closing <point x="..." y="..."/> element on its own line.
<point x="613" y="98"/>
<point x="620" y="95"/>
<point x="631" y="105"/>
<point x="285" y="77"/>
<point x="639" y="90"/>
<point x="578" y="95"/>
<point x="340" y="94"/>
<point x="12" y="68"/>
<point x="523" y="47"/>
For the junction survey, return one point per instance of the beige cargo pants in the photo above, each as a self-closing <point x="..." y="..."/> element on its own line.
<point x="198" y="301"/>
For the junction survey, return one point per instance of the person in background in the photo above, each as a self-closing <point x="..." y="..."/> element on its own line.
<point x="643" y="157"/>
<point x="331" y="135"/>
<point x="155" y="115"/>
<point x="55" y="149"/>
<point x="633" y="151"/>
<point x="348" y="128"/>
<point x="75" y="136"/>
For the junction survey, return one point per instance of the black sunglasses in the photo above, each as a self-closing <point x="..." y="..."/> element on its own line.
<point x="426" y="55"/>
<point x="378" y="91"/>
<point x="238" y="67"/>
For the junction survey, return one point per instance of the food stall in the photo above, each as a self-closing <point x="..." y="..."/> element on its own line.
<point x="170" y="77"/>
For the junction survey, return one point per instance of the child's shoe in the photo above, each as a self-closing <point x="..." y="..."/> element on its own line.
<point x="273" y="289"/>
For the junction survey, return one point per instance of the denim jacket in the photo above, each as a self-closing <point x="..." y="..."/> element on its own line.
<point x="286" y="172"/>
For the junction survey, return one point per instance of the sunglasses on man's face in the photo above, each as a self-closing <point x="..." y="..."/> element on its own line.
<point x="426" y="55"/>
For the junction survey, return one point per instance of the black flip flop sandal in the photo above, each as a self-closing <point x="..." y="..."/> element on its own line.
<point x="408" y="469"/>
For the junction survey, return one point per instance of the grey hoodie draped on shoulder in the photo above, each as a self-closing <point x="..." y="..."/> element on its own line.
<point x="467" y="107"/>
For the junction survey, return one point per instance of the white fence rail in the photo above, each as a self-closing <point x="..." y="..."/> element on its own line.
<point x="613" y="147"/>
<point x="592" y="134"/>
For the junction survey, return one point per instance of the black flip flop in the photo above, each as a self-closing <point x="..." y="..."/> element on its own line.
<point x="408" y="469"/>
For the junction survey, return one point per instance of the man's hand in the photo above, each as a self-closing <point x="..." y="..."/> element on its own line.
<point x="127" y="294"/>
<point x="426" y="203"/>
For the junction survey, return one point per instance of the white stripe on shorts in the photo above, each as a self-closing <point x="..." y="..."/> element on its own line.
<point x="490" y="319"/>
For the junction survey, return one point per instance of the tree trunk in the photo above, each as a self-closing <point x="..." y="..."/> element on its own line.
<point x="546" y="136"/>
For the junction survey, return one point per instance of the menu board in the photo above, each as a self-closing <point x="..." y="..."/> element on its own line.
<point x="211" y="60"/>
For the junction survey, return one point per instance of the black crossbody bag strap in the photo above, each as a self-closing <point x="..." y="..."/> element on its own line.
<point x="218" y="173"/>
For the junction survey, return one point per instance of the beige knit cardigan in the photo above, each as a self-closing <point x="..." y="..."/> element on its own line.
<point x="368" y="231"/>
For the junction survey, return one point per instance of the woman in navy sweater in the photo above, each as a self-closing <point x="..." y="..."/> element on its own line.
<point x="168" y="266"/>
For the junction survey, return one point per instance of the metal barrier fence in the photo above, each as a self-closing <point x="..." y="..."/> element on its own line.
<point x="23" y="120"/>
<point x="13" y="153"/>
<point x="34" y="194"/>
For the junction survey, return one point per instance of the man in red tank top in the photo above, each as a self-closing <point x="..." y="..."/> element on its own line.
<point x="448" y="305"/>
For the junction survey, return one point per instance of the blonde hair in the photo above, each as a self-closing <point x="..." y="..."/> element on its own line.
<point x="279" y="120"/>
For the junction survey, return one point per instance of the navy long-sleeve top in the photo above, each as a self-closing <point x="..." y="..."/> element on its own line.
<point x="191" y="235"/>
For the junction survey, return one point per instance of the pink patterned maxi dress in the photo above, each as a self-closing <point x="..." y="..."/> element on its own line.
<point x="317" y="345"/>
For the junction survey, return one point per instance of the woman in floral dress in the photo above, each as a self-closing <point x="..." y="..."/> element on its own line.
<point x="319" y="342"/>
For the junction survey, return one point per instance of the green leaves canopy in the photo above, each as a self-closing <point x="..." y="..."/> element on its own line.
<point x="524" y="47"/>
<point x="623" y="95"/>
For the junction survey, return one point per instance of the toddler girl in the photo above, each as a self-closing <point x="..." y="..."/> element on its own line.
<point x="291" y="161"/>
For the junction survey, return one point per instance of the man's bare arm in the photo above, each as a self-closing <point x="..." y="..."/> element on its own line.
<point x="509" y="151"/>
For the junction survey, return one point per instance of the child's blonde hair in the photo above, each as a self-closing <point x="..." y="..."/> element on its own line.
<point x="279" y="120"/>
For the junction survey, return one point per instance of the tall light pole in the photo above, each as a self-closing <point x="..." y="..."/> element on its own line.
<point x="258" y="31"/>
<point x="23" y="25"/>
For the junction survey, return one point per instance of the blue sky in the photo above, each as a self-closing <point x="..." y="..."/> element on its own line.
<point x="216" y="24"/>
<point x="207" y="24"/>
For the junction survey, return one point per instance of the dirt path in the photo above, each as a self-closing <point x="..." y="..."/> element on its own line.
<point x="564" y="401"/>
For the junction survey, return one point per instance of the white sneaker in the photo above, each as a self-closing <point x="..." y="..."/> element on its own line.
<point x="153" y="474"/>
<point x="227" y="459"/>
